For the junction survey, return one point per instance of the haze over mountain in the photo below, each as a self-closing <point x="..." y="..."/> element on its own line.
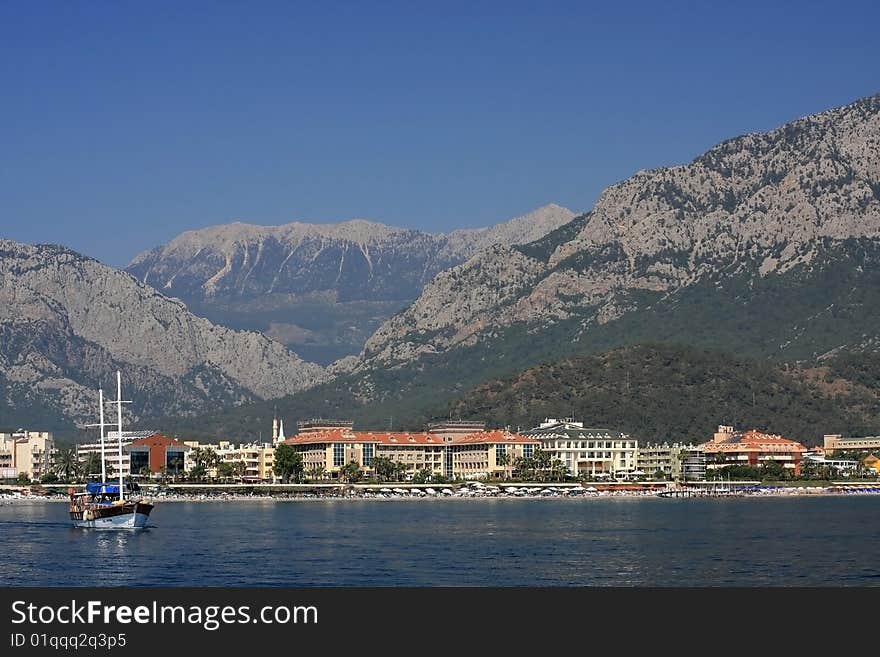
<point x="321" y="289"/>
<point x="67" y="322"/>
<point x="766" y="247"/>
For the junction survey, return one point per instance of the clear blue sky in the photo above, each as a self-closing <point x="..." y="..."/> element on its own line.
<point x="126" y="123"/>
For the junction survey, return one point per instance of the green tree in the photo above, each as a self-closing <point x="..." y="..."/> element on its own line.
<point x="203" y="458"/>
<point x="49" y="478"/>
<point x="288" y="463"/>
<point x="351" y="472"/>
<point x="541" y="464"/>
<point x="197" y="473"/>
<point x="23" y="478"/>
<point x="90" y="464"/>
<point x="772" y="471"/>
<point x="506" y="462"/>
<point x="317" y="473"/>
<point x="524" y="466"/>
<point x="239" y="470"/>
<point x="659" y="475"/>
<point x="226" y="470"/>
<point x="423" y="476"/>
<point x="66" y="463"/>
<point x="383" y="467"/>
<point x="557" y="470"/>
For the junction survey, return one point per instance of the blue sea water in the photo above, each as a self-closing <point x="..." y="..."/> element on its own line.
<point x="632" y="542"/>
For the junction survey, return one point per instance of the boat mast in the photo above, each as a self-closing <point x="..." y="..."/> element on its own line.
<point x="103" y="460"/>
<point x="119" y="423"/>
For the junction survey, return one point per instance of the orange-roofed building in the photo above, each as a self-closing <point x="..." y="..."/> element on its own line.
<point x="445" y="453"/>
<point x="157" y="452"/>
<point x="752" y="448"/>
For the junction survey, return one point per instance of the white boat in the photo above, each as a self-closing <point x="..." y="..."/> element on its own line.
<point x="104" y="506"/>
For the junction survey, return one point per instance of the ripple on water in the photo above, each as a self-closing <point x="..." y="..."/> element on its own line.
<point x="642" y="542"/>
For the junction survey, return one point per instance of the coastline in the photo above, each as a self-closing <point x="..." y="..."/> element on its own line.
<point x="465" y="493"/>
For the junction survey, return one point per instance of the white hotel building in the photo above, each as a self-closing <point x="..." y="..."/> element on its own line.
<point x="111" y="450"/>
<point x="585" y="451"/>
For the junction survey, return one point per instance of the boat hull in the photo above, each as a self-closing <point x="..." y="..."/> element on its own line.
<point x="129" y="516"/>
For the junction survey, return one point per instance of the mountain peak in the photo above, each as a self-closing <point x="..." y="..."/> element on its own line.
<point x="293" y="281"/>
<point x="766" y="203"/>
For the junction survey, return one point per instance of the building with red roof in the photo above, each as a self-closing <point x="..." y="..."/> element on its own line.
<point x="752" y="448"/>
<point x="445" y="450"/>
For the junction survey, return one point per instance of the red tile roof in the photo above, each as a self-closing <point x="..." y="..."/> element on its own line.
<point x="332" y="436"/>
<point x="494" y="437"/>
<point x="407" y="438"/>
<point x="753" y="441"/>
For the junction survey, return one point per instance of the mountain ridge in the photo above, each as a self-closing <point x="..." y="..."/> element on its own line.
<point x="68" y="322"/>
<point x="320" y="289"/>
<point x="766" y="205"/>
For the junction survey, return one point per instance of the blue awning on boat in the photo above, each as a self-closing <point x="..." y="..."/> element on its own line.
<point x="96" y="488"/>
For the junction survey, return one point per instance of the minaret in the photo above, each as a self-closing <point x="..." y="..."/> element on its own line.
<point x="281" y="431"/>
<point x="275" y="428"/>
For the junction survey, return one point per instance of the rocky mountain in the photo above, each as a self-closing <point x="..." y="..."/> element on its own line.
<point x="320" y="289"/>
<point x="764" y="248"/>
<point x="67" y="322"/>
<point x="753" y="216"/>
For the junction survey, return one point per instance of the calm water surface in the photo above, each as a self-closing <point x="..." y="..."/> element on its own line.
<point x="817" y="541"/>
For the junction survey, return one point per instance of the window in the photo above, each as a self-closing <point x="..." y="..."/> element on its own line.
<point x="528" y="451"/>
<point x="139" y="461"/>
<point x="500" y="451"/>
<point x="338" y="455"/>
<point x="368" y="454"/>
<point x="174" y="461"/>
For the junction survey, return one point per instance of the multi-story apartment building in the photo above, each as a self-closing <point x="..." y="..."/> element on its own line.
<point x="258" y="459"/>
<point x="663" y="457"/>
<point x="31" y="453"/>
<point x="586" y="451"/>
<point x="693" y="464"/>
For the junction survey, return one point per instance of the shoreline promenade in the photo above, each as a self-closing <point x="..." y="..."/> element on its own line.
<point x="471" y="490"/>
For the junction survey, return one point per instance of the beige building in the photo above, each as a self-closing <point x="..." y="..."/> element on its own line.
<point x="835" y="442"/>
<point x="585" y="451"/>
<point x="27" y="452"/>
<point x="257" y="457"/>
<point x="452" y="450"/>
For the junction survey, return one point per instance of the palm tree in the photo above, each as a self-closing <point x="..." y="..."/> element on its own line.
<point x="351" y="472"/>
<point x="504" y="461"/>
<point x="239" y="469"/>
<point x="90" y="464"/>
<point x="317" y="473"/>
<point x="66" y="463"/>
